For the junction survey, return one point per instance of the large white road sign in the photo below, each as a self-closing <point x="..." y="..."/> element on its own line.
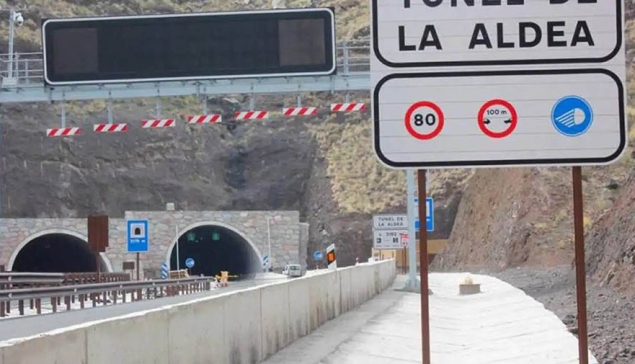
<point x="426" y="33"/>
<point x="532" y="83"/>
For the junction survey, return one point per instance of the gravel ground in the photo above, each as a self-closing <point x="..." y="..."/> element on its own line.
<point x="610" y="315"/>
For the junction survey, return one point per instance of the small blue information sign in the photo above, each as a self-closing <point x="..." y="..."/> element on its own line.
<point x="429" y="214"/>
<point x="138" y="241"/>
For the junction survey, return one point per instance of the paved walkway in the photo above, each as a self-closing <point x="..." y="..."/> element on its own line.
<point x="502" y="325"/>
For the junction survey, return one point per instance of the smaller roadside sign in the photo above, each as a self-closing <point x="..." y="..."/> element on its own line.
<point x="317" y="255"/>
<point x="137" y="236"/>
<point x="390" y="222"/>
<point x="404" y="240"/>
<point x="165" y="270"/>
<point x="429" y="213"/>
<point x="389" y="239"/>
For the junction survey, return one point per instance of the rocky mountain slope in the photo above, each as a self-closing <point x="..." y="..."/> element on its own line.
<point x="611" y="241"/>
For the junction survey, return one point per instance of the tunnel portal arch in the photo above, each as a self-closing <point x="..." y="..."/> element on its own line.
<point x="34" y="238"/>
<point x="220" y="247"/>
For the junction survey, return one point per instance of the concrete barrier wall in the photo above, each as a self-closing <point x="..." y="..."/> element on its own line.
<point x="243" y="327"/>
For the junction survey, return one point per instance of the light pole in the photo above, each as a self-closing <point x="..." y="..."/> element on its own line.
<point x="15" y="18"/>
<point x="269" y="242"/>
<point x="171" y="207"/>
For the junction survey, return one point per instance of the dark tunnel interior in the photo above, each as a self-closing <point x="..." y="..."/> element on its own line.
<point x="56" y="253"/>
<point x="215" y="249"/>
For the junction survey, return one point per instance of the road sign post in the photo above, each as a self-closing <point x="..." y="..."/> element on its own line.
<point x="413" y="283"/>
<point x="511" y="77"/>
<point x="165" y="270"/>
<point x="137" y="234"/>
<point x="331" y="260"/>
<point x="265" y="263"/>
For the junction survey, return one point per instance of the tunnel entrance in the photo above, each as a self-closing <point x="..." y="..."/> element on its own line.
<point x="214" y="249"/>
<point x="56" y="253"/>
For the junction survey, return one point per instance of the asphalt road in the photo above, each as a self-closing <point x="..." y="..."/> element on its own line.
<point x="18" y="327"/>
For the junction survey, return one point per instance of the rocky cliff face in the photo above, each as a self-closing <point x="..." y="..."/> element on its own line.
<point x="524" y="216"/>
<point x="505" y="219"/>
<point x="222" y="166"/>
<point x="611" y="242"/>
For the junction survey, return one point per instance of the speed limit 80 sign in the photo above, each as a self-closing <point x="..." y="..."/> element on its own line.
<point x="424" y="120"/>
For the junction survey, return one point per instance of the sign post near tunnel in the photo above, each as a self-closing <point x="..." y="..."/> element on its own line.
<point x="515" y="95"/>
<point x="137" y="240"/>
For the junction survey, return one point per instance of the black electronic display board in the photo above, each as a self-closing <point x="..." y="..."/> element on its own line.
<point x="149" y="48"/>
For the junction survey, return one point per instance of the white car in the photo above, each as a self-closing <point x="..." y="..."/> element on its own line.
<point x="292" y="270"/>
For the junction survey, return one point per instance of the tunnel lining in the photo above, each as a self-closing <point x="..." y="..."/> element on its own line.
<point x="212" y="224"/>
<point x="71" y="233"/>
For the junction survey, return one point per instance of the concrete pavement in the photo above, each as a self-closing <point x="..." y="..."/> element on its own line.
<point x="500" y="325"/>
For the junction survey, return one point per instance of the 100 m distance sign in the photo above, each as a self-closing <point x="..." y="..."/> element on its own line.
<point x="427" y="33"/>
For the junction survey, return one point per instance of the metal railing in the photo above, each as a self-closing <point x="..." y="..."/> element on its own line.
<point x="87" y="278"/>
<point x="99" y="293"/>
<point x="28" y="68"/>
<point x="12" y="280"/>
<point x="15" y="280"/>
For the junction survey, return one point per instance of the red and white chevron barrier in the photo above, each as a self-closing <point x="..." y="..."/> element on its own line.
<point x="299" y="111"/>
<point x="158" y="123"/>
<point x="204" y="119"/>
<point x="348" y="107"/>
<point x="110" y="128"/>
<point x="251" y="115"/>
<point x="63" y="132"/>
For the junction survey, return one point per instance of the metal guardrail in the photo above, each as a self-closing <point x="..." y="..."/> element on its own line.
<point x="99" y="293"/>
<point x="14" y="280"/>
<point x="28" y="68"/>
<point x="87" y="278"/>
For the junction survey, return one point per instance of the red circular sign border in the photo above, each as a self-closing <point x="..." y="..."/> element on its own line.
<point x="435" y="108"/>
<point x="490" y="133"/>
